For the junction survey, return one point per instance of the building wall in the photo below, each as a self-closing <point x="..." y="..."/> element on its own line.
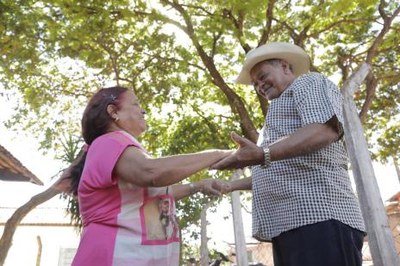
<point x="258" y="253"/>
<point x="394" y="225"/>
<point x="262" y="253"/>
<point x="55" y="241"/>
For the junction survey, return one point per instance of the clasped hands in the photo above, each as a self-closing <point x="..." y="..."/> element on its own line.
<point x="247" y="154"/>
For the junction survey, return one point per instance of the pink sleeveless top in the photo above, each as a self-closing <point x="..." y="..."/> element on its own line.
<point x="124" y="224"/>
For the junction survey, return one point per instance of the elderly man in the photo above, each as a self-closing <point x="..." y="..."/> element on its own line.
<point x="303" y="201"/>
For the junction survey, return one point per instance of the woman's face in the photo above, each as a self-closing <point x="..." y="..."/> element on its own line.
<point x="130" y="114"/>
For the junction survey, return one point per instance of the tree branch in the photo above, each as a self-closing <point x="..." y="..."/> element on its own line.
<point x="268" y="23"/>
<point x="234" y="100"/>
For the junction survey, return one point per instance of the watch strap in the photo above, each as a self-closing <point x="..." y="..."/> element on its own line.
<point x="267" y="157"/>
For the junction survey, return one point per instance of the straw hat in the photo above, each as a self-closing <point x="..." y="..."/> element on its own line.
<point x="293" y="54"/>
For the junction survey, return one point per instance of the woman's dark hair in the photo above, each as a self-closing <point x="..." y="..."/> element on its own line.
<point x="95" y="122"/>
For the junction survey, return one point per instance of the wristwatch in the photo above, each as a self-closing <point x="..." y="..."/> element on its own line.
<point x="267" y="158"/>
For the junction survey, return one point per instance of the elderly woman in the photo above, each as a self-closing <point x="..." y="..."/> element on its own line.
<point x="126" y="197"/>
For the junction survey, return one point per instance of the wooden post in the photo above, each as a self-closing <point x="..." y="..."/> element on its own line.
<point x="240" y="240"/>
<point x="380" y="238"/>
<point x="40" y="247"/>
<point x="204" y="254"/>
<point x="396" y="166"/>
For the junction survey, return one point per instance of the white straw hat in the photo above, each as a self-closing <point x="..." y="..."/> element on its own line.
<point x="293" y="54"/>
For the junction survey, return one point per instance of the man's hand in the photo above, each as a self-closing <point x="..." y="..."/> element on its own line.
<point x="247" y="154"/>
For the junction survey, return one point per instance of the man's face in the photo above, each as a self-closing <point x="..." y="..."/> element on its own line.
<point x="270" y="79"/>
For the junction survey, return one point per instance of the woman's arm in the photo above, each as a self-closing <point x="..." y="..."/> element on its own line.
<point x="138" y="168"/>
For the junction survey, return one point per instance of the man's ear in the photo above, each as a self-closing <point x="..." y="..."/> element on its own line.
<point x="285" y="66"/>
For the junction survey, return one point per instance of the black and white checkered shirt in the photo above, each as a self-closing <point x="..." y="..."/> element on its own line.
<point x="306" y="189"/>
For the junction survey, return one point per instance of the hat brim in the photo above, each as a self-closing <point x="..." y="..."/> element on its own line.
<point x="297" y="58"/>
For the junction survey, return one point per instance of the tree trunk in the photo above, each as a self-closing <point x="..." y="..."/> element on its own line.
<point x="380" y="237"/>
<point x="21" y="212"/>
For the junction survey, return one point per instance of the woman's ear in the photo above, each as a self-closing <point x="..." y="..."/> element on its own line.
<point x="112" y="111"/>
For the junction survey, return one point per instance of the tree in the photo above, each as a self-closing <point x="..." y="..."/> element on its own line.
<point x="186" y="54"/>
<point x="181" y="58"/>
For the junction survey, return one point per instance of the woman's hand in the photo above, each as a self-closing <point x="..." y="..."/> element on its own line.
<point x="214" y="187"/>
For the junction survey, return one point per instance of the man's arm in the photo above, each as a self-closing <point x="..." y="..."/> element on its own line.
<point x="305" y="140"/>
<point x="238" y="184"/>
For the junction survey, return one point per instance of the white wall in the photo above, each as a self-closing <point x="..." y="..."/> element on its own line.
<point x="24" y="249"/>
